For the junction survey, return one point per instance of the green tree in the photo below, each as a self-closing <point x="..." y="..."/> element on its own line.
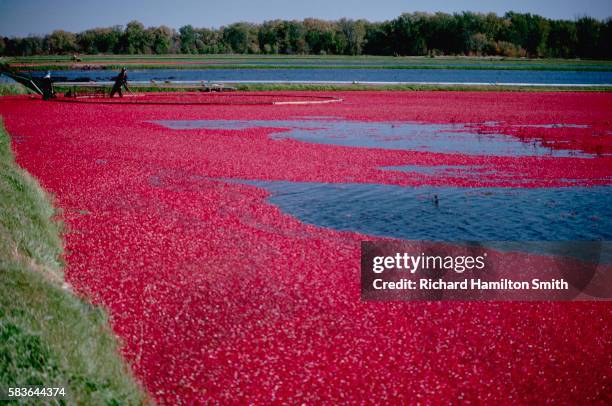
<point x="188" y="39"/>
<point x="241" y="38"/>
<point x="61" y="42"/>
<point x="136" y="39"/>
<point x="354" y="32"/>
<point x="604" y="48"/>
<point x="441" y="33"/>
<point x="296" y="38"/>
<point x="562" y="39"/>
<point x="406" y="34"/>
<point x="266" y="38"/>
<point x="377" y="39"/>
<point x="161" y="39"/>
<point x="587" y="33"/>
<point x="86" y="41"/>
<point x="108" y="40"/>
<point x="528" y="31"/>
<point x="209" y="41"/>
<point x="514" y="34"/>
<point x="319" y="35"/>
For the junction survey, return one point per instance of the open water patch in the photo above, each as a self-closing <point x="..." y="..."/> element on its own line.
<point x="450" y="213"/>
<point x="344" y="74"/>
<point x="413" y="136"/>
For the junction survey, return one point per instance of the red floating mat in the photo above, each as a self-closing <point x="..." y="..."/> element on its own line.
<point x="222" y="98"/>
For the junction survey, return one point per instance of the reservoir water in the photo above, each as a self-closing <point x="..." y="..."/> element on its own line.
<point x="346" y="74"/>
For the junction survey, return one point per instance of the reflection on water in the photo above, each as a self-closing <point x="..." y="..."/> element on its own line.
<point x="460" y="214"/>
<point x="444" y="138"/>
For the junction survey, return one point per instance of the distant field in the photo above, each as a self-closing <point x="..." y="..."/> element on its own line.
<point x="15" y="89"/>
<point x="59" y="62"/>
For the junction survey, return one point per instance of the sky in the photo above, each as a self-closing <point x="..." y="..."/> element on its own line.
<point x="24" y="17"/>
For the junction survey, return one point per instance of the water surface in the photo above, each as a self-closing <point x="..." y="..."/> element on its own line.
<point x="443" y="138"/>
<point x="347" y="74"/>
<point x="460" y="214"/>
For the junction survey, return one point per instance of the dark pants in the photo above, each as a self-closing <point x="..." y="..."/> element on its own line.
<point x="116" y="89"/>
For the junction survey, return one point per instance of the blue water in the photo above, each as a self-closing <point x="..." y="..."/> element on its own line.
<point x="441" y="170"/>
<point x="461" y="214"/>
<point x="380" y="75"/>
<point x="444" y="138"/>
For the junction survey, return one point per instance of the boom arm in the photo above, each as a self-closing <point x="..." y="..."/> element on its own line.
<point x="34" y="84"/>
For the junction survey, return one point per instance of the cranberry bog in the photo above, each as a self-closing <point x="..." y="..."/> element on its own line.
<point x="224" y="238"/>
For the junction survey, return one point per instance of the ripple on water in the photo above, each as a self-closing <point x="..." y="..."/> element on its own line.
<point x="461" y="214"/>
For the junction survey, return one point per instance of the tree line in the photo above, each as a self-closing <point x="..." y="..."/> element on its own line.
<point x="467" y="33"/>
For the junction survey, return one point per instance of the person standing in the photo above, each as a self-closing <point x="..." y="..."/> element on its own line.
<point x="120" y="81"/>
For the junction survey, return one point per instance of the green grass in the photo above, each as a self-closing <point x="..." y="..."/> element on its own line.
<point x="48" y="336"/>
<point x="414" y="87"/>
<point x="7" y="89"/>
<point x="117" y="66"/>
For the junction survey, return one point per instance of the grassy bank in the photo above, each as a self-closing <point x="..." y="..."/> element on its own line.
<point x="416" y="87"/>
<point x="48" y="336"/>
<point x="196" y="66"/>
<point x="6" y="89"/>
